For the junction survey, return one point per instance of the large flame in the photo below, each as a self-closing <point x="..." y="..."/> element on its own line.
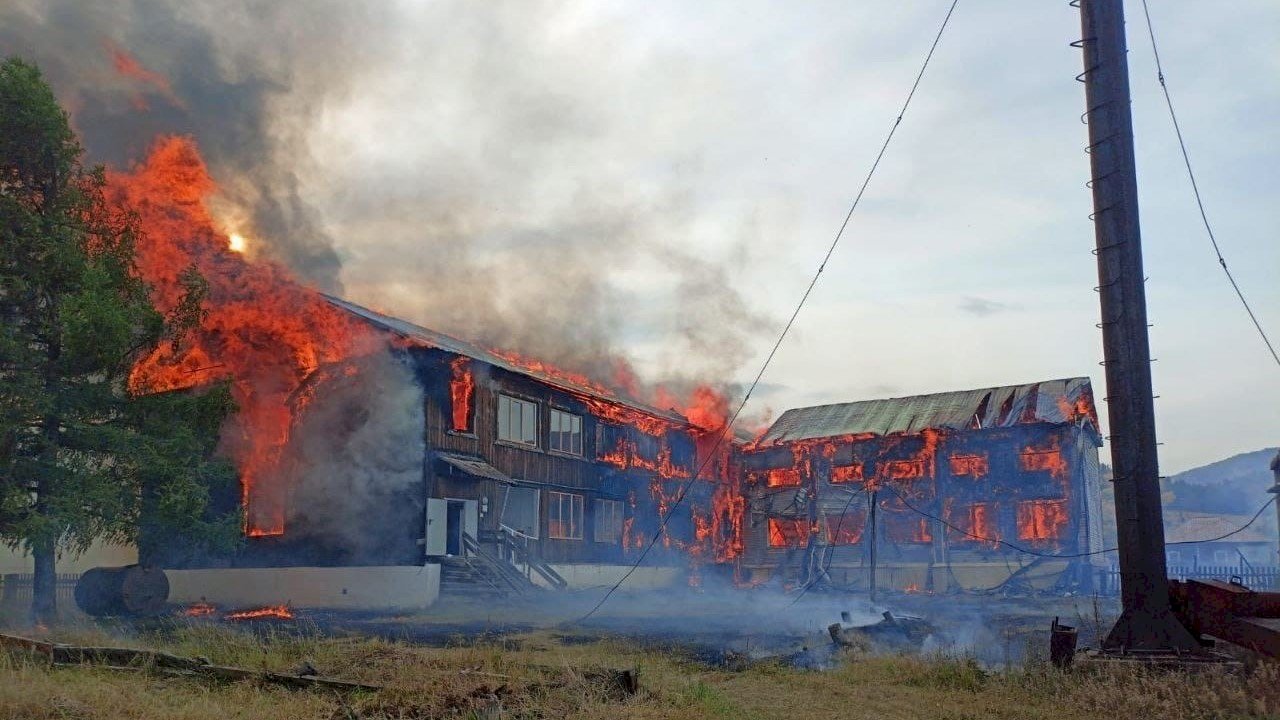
<point x="263" y="330"/>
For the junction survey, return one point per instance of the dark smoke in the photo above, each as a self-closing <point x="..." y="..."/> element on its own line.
<point x="231" y="75"/>
<point x="514" y="199"/>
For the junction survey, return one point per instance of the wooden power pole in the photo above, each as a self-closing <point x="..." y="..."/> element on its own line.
<point x="1147" y="622"/>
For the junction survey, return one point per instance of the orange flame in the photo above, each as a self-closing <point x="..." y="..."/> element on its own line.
<point x="279" y="612"/>
<point x="263" y="330"/>
<point x="199" y="610"/>
<point x="462" y="389"/>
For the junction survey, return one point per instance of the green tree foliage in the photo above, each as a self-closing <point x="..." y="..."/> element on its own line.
<point x="80" y="458"/>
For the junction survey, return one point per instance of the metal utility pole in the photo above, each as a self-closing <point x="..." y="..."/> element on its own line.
<point x="1146" y="622"/>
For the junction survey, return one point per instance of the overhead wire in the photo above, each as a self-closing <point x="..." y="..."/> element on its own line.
<point x="1067" y="556"/>
<point x="662" y="525"/>
<point x="1195" y="187"/>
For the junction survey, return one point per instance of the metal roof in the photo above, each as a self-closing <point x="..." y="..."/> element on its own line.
<point x="475" y="467"/>
<point x="433" y="338"/>
<point x="1050" y="401"/>
<point x="1185" y="527"/>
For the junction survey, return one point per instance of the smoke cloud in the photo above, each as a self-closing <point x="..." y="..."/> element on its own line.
<point x="484" y="170"/>
<point x="354" y="462"/>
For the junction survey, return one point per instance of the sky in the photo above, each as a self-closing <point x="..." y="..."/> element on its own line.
<point x="661" y="180"/>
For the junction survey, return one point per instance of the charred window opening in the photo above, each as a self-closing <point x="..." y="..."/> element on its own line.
<point x="974" y="466"/>
<point x="608" y="521"/>
<point x="904" y="469"/>
<point x="1043" y="460"/>
<point x="784" y="477"/>
<point x="847" y="473"/>
<point x="788" y="532"/>
<point x="907" y="527"/>
<point x="845" y="529"/>
<point x="564" y="516"/>
<point x="1042" y="519"/>
<point x="566" y="432"/>
<point x="517" y="421"/>
<point x="976" y="523"/>
<point x="462" y="390"/>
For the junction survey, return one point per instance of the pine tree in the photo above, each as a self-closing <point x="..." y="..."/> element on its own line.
<point x="80" y="458"/>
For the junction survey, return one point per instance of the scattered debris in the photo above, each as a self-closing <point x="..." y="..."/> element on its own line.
<point x="897" y="632"/>
<point x="131" y="660"/>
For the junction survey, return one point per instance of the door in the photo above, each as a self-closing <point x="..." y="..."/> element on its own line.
<point x="437" y="527"/>
<point x="461" y="516"/>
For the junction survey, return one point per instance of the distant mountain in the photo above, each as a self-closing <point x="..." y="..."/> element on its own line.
<point x="1237" y="485"/>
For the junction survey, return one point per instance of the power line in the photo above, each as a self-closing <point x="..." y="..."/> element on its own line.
<point x="662" y="525"/>
<point x="1195" y="188"/>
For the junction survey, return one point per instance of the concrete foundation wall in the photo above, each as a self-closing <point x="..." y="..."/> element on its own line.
<point x="332" y="588"/>
<point x="589" y="575"/>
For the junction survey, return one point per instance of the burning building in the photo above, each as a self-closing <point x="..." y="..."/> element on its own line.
<point x="492" y="470"/>
<point x="927" y="493"/>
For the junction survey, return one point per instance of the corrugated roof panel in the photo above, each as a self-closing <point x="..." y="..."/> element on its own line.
<point x="1051" y="401"/>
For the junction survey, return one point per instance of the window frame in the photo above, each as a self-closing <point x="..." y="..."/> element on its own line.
<point x="556" y="502"/>
<point x="617" y="513"/>
<point x="554" y="415"/>
<point x="522" y="403"/>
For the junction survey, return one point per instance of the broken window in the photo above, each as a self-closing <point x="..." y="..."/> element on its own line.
<point x="788" y="532"/>
<point x="974" y="466"/>
<point x="462" y="390"/>
<point x="520" y="512"/>
<point x="566" y="432"/>
<point x="1042" y="519"/>
<point x="907" y="527"/>
<point x="904" y="469"/>
<point x="846" y="473"/>
<point x="517" y="420"/>
<point x="564" y="516"/>
<point x="975" y="522"/>
<point x="784" y="477"/>
<point x="845" y="529"/>
<point x="608" y="528"/>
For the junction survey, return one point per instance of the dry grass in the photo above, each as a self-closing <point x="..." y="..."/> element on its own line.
<point x="538" y="676"/>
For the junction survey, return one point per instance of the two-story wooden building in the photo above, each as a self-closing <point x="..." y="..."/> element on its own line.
<point x="927" y="493"/>
<point x="517" y="462"/>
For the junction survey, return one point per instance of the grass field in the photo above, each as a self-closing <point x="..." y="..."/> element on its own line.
<point x="544" y="675"/>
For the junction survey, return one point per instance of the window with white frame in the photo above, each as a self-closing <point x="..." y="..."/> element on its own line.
<point x="608" y="521"/>
<point x="564" y="516"/>
<point x="517" y="420"/>
<point x="566" y="432"/>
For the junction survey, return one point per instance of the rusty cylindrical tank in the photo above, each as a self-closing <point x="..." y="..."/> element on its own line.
<point x="127" y="590"/>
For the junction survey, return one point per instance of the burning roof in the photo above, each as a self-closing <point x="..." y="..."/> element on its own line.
<point x="1050" y="401"/>
<point x="511" y="363"/>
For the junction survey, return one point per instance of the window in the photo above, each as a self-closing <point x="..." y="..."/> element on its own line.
<point x="517" y="421"/>
<point x="462" y="390"/>
<point x="1042" y="519"/>
<point x="974" y="466"/>
<point x="784" y="477"/>
<point x="846" y="473"/>
<point x="608" y="521"/>
<point x="564" y="516"/>
<point x="788" y="532"/>
<point x="904" y="469"/>
<point x="846" y="529"/>
<point x="566" y="432"/>
<point x="1174" y="558"/>
<point x="520" y="511"/>
<point x="1221" y="557"/>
